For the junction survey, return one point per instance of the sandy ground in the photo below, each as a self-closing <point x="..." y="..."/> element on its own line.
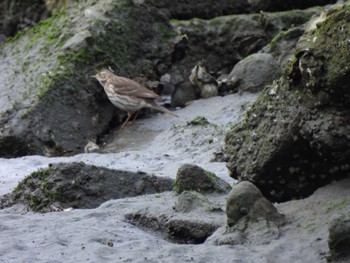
<point x="159" y="146"/>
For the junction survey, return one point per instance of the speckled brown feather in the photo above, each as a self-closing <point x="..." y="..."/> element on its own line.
<point x="128" y="87"/>
<point x="127" y="94"/>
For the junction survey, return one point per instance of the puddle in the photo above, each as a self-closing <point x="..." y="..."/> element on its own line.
<point x="134" y="137"/>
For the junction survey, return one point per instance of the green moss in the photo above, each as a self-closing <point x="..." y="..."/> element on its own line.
<point x="34" y="200"/>
<point x="36" y="190"/>
<point x="338" y="206"/>
<point x="216" y="21"/>
<point x="175" y="185"/>
<point x="175" y="22"/>
<point x="211" y="175"/>
<point x="165" y="31"/>
<point x="47" y="31"/>
<point x="276" y="38"/>
<point x="199" y="120"/>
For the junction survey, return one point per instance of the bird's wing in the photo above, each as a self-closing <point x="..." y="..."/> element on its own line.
<point x="128" y="87"/>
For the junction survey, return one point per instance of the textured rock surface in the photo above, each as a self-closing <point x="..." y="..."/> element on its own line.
<point x="76" y="185"/>
<point x="222" y="42"/>
<point x="183" y="9"/>
<point x="295" y="138"/>
<point x="254" y="72"/>
<point x="45" y="71"/>
<point x="339" y="239"/>
<point x="15" y="15"/>
<point x="250" y="216"/>
<point x="245" y="200"/>
<point x="193" y="178"/>
<point x="192" y="218"/>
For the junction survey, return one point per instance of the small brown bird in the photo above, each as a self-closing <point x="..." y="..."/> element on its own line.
<point x="127" y="94"/>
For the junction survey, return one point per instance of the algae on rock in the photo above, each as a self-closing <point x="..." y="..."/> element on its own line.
<point x="295" y="138"/>
<point x="48" y="101"/>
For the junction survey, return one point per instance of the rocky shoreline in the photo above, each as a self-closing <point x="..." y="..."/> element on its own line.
<point x="255" y="169"/>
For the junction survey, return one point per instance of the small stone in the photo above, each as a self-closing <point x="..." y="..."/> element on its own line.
<point x="194" y="178"/>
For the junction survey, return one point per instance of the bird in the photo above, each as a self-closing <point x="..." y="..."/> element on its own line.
<point x="128" y="95"/>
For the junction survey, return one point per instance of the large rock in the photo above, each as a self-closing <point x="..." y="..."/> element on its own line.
<point x="206" y="9"/>
<point x="284" y="31"/>
<point x="49" y="104"/>
<point x="250" y="216"/>
<point x="254" y="72"/>
<point x="16" y="15"/>
<point x="183" y="9"/>
<point x="76" y="185"/>
<point x="222" y="42"/>
<point x="295" y="138"/>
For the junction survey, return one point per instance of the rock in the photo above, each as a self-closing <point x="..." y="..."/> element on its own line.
<point x="232" y="38"/>
<point x="193" y="178"/>
<point x="282" y="45"/>
<point x="245" y="199"/>
<point x="45" y="73"/>
<point x="229" y="38"/>
<point x="254" y="72"/>
<point x="190" y="231"/>
<point x="78" y="41"/>
<point x="176" y="89"/>
<point x="91" y="147"/>
<point x="191" y="220"/>
<point x="339" y="239"/>
<point x="284" y="31"/>
<point x="202" y="79"/>
<point x="78" y="185"/>
<point x="184" y="93"/>
<point x="294" y="138"/>
<point x="17" y="15"/>
<point x="287" y="5"/>
<point x="250" y="216"/>
<point x="207" y="9"/>
<point x="55" y="6"/>
<point x="189" y="201"/>
<point x="202" y="8"/>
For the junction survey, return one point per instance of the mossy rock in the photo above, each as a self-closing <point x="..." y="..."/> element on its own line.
<point x="295" y="137"/>
<point x="194" y="178"/>
<point x="77" y="185"/>
<point x="49" y="100"/>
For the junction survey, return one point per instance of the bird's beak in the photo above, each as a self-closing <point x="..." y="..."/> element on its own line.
<point x="93" y="76"/>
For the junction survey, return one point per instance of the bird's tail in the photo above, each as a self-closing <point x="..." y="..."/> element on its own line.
<point x="162" y="109"/>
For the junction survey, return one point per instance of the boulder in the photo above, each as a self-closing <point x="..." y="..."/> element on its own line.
<point x="49" y="104"/>
<point x="17" y="15"/>
<point x="77" y="185"/>
<point x="207" y="9"/>
<point x="194" y="178"/>
<point x="250" y="216"/>
<point x="295" y="137"/>
<point x="254" y="72"/>
<point x="222" y="42"/>
<point x="183" y="9"/>
<point x="245" y="199"/>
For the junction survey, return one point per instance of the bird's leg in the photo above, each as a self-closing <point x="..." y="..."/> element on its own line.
<point x="126" y="121"/>
<point x="135" y="116"/>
